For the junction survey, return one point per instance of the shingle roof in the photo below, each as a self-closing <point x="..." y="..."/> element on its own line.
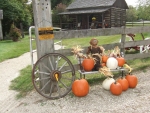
<point x="84" y="11"/>
<point x="77" y="4"/>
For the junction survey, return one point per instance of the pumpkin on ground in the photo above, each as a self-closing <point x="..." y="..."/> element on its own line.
<point x="80" y="88"/>
<point x="104" y="58"/>
<point x="112" y="63"/>
<point x="107" y="82"/>
<point x="121" y="61"/>
<point x="88" y="64"/>
<point x="116" y="88"/>
<point x="132" y="80"/>
<point x="124" y="83"/>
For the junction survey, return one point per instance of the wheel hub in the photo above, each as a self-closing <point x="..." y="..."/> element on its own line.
<point x="55" y="75"/>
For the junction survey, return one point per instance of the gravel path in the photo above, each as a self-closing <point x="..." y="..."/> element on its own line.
<point x="97" y="101"/>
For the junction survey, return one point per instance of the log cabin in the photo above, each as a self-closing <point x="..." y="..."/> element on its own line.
<point x="103" y="13"/>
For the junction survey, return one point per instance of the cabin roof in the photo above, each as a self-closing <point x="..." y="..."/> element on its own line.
<point x="77" y="4"/>
<point x="85" y="11"/>
<point x="93" y="6"/>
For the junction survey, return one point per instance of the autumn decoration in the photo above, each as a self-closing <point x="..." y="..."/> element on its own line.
<point x="80" y="88"/>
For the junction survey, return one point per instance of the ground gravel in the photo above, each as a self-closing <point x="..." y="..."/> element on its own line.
<point x="97" y="101"/>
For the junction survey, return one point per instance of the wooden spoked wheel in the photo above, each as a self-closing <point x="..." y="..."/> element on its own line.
<point x="53" y="75"/>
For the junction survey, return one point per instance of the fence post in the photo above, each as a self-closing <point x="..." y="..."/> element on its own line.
<point x="42" y="21"/>
<point x="123" y="39"/>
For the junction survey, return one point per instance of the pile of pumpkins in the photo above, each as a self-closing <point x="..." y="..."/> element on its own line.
<point x="110" y="62"/>
<point x="121" y="84"/>
<point x="80" y="88"/>
<point x="113" y="62"/>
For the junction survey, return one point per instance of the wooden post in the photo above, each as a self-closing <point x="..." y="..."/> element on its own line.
<point x="1" y="17"/>
<point x="123" y="38"/>
<point x="43" y="19"/>
<point x="1" y="33"/>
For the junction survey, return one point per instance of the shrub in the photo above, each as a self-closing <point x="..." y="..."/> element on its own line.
<point x="14" y="33"/>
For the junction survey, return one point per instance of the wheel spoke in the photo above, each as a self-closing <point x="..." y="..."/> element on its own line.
<point x="58" y="58"/>
<point x="66" y="78"/>
<point x="66" y="71"/>
<point x="51" y="63"/>
<point x="51" y="89"/>
<point x="40" y="72"/>
<point x="58" y="90"/>
<point x="38" y="79"/>
<point x="62" y="66"/>
<point x="46" y="67"/>
<point x="63" y="84"/>
<point x="45" y="85"/>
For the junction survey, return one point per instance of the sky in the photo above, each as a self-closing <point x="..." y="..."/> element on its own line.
<point x="132" y="2"/>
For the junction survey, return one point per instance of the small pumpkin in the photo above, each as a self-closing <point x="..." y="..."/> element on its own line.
<point x="80" y="88"/>
<point x="104" y="58"/>
<point x="107" y="82"/>
<point x="116" y="88"/>
<point x="121" y="61"/>
<point x="124" y="83"/>
<point x="88" y="64"/>
<point x="112" y="63"/>
<point x="132" y="80"/>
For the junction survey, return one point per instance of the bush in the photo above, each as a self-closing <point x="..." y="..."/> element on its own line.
<point x="15" y="33"/>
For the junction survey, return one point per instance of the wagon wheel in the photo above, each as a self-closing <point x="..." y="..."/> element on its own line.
<point x="53" y="75"/>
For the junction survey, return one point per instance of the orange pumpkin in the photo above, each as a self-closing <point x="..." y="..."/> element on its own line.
<point x="104" y="58"/>
<point x="116" y="88"/>
<point x="80" y="87"/>
<point x="124" y="83"/>
<point x="132" y="80"/>
<point x="121" y="61"/>
<point x="88" y="64"/>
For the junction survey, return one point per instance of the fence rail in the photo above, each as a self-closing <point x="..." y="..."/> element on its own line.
<point x="104" y="32"/>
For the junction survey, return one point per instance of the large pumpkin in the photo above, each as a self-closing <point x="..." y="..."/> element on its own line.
<point x="88" y="64"/>
<point x="104" y="58"/>
<point x="112" y="63"/>
<point x="121" y="61"/>
<point x="124" y="83"/>
<point x="107" y="82"/>
<point x="80" y="87"/>
<point x="116" y="88"/>
<point x="132" y="80"/>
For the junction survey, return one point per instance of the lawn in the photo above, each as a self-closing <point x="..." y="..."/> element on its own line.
<point x="10" y="49"/>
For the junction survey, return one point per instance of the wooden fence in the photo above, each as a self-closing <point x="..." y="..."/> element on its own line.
<point x="105" y="32"/>
<point x="141" y="23"/>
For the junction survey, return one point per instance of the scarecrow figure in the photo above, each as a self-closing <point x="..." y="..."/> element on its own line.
<point x="94" y="23"/>
<point x="95" y="51"/>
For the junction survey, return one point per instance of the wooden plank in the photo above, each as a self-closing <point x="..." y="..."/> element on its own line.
<point x="137" y="43"/>
<point x="99" y="32"/>
<point x="1" y="14"/>
<point x="135" y="56"/>
<point x="1" y="33"/>
<point x="42" y="18"/>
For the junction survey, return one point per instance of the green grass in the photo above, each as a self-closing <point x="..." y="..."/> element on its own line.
<point x="23" y="83"/>
<point x="10" y="49"/>
<point x="69" y="43"/>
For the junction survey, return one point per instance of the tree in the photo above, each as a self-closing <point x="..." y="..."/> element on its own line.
<point x="131" y="14"/>
<point x="14" y="11"/>
<point x="56" y="2"/>
<point x="143" y="10"/>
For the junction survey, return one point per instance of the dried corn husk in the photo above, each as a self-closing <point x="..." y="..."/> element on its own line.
<point x="106" y="71"/>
